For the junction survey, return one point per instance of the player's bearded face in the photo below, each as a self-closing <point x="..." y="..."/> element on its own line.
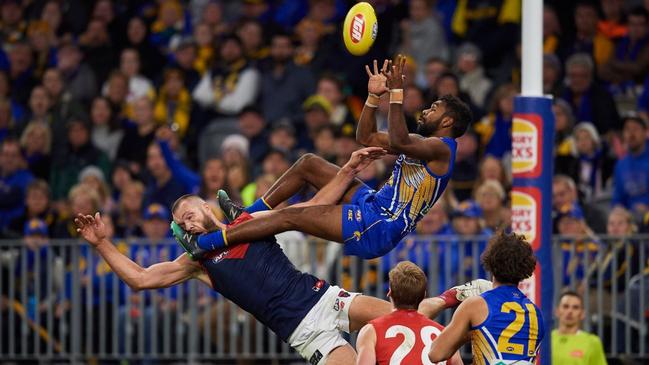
<point x="427" y="127"/>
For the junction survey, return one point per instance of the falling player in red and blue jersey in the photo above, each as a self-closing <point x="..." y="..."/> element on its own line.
<point x="369" y="223"/>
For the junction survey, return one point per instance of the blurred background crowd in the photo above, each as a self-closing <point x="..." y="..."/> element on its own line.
<point x="122" y="106"/>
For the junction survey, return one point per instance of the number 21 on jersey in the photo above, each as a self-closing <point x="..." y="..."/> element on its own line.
<point x="426" y="334"/>
<point x="505" y="346"/>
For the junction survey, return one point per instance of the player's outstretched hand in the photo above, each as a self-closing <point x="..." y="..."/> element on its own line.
<point x="362" y="158"/>
<point x="92" y="229"/>
<point x="396" y="73"/>
<point x="377" y="79"/>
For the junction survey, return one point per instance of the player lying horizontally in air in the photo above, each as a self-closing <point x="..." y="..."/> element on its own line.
<point x="369" y="223"/>
<point x="302" y="310"/>
<point x="504" y="326"/>
<point x="405" y="335"/>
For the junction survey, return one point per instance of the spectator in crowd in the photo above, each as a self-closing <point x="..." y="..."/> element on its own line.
<point x="161" y="188"/>
<point x="284" y="85"/>
<point x="571" y="345"/>
<point x="310" y="51"/>
<point x="449" y="84"/>
<point x="138" y="85"/>
<point x="466" y="169"/>
<point x="63" y="106"/>
<point x="36" y="143"/>
<point x="579" y="245"/>
<point x="81" y="200"/>
<point x="205" y="51"/>
<point x="173" y="104"/>
<point x="434" y="68"/>
<point x="14" y="179"/>
<point x="551" y="75"/>
<point x="37" y="206"/>
<point x="551" y="31"/>
<point x="490" y="196"/>
<point x="275" y="163"/>
<point x="587" y="39"/>
<point x="589" y="101"/>
<point x="251" y="33"/>
<point x="324" y="143"/>
<point x="169" y="25"/>
<point x="282" y="137"/>
<point x="128" y="222"/>
<point x="421" y="29"/>
<point x="137" y="38"/>
<point x="80" y="153"/>
<point x="80" y="80"/>
<point x="564" y="142"/>
<point x="492" y="169"/>
<point x="39" y="106"/>
<point x="107" y="132"/>
<point x="317" y="111"/>
<point x="495" y="129"/>
<point x="594" y="164"/>
<point x="232" y="84"/>
<point x="631" y="176"/>
<point x="489" y="25"/>
<point x="116" y="92"/>
<point x="252" y="125"/>
<point x="468" y="225"/>
<point x="42" y="41"/>
<point x="13" y="25"/>
<point x="184" y="58"/>
<point x="20" y="71"/>
<point x="613" y="25"/>
<point x="473" y="80"/>
<point x="138" y="136"/>
<point x="565" y="193"/>
<point x="14" y="110"/>
<point x="631" y="56"/>
<point x="94" y="178"/>
<point x="342" y="111"/>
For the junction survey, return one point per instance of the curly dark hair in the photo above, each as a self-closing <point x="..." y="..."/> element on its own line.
<point x="509" y="258"/>
<point x="460" y="112"/>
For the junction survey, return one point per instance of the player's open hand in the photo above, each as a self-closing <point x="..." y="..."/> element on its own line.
<point x="92" y="229"/>
<point x="377" y="78"/>
<point x="396" y="73"/>
<point x="362" y="158"/>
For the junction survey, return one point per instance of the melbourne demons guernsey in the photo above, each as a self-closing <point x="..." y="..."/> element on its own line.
<point x="404" y="337"/>
<point x="259" y="278"/>
<point x="413" y="189"/>
<point x="512" y="332"/>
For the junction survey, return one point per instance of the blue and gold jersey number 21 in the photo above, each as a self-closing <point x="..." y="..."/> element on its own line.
<point x="513" y="330"/>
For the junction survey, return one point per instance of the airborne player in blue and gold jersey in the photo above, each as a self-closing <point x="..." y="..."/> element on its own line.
<point x="504" y="326"/>
<point x="369" y="223"/>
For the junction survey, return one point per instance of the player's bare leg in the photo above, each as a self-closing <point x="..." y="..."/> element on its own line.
<point x="366" y="308"/>
<point x="324" y="221"/>
<point x="343" y="355"/>
<point x="309" y="169"/>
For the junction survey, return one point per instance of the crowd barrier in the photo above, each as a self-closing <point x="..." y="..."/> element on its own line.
<point x="62" y="302"/>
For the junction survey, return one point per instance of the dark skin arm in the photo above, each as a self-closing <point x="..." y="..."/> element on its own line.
<point x="472" y="311"/>
<point x="366" y="133"/>
<point x="412" y="145"/>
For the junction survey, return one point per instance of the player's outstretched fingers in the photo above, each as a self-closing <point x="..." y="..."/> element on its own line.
<point x="367" y="69"/>
<point x="376" y="67"/>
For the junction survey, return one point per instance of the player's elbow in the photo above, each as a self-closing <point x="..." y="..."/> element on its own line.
<point x="436" y="354"/>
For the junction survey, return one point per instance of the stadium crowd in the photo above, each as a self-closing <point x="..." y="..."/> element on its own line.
<point x="122" y="106"/>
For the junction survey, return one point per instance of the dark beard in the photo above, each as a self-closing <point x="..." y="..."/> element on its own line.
<point x="427" y="129"/>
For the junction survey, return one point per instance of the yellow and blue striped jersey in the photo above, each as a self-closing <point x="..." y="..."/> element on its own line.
<point x="512" y="332"/>
<point x="413" y="189"/>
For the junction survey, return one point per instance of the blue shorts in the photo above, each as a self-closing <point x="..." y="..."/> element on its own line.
<point x="367" y="231"/>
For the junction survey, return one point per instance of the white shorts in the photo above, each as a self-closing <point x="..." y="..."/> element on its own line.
<point x="319" y="332"/>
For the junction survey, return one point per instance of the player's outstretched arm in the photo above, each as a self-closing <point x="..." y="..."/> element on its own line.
<point x="456" y="333"/>
<point x="366" y="133"/>
<point x="161" y="275"/>
<point x="399" y="139"/>
<point x="365" y="345"/>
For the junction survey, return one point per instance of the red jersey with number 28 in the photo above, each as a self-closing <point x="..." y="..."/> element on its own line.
<point x="404" y="337"/>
